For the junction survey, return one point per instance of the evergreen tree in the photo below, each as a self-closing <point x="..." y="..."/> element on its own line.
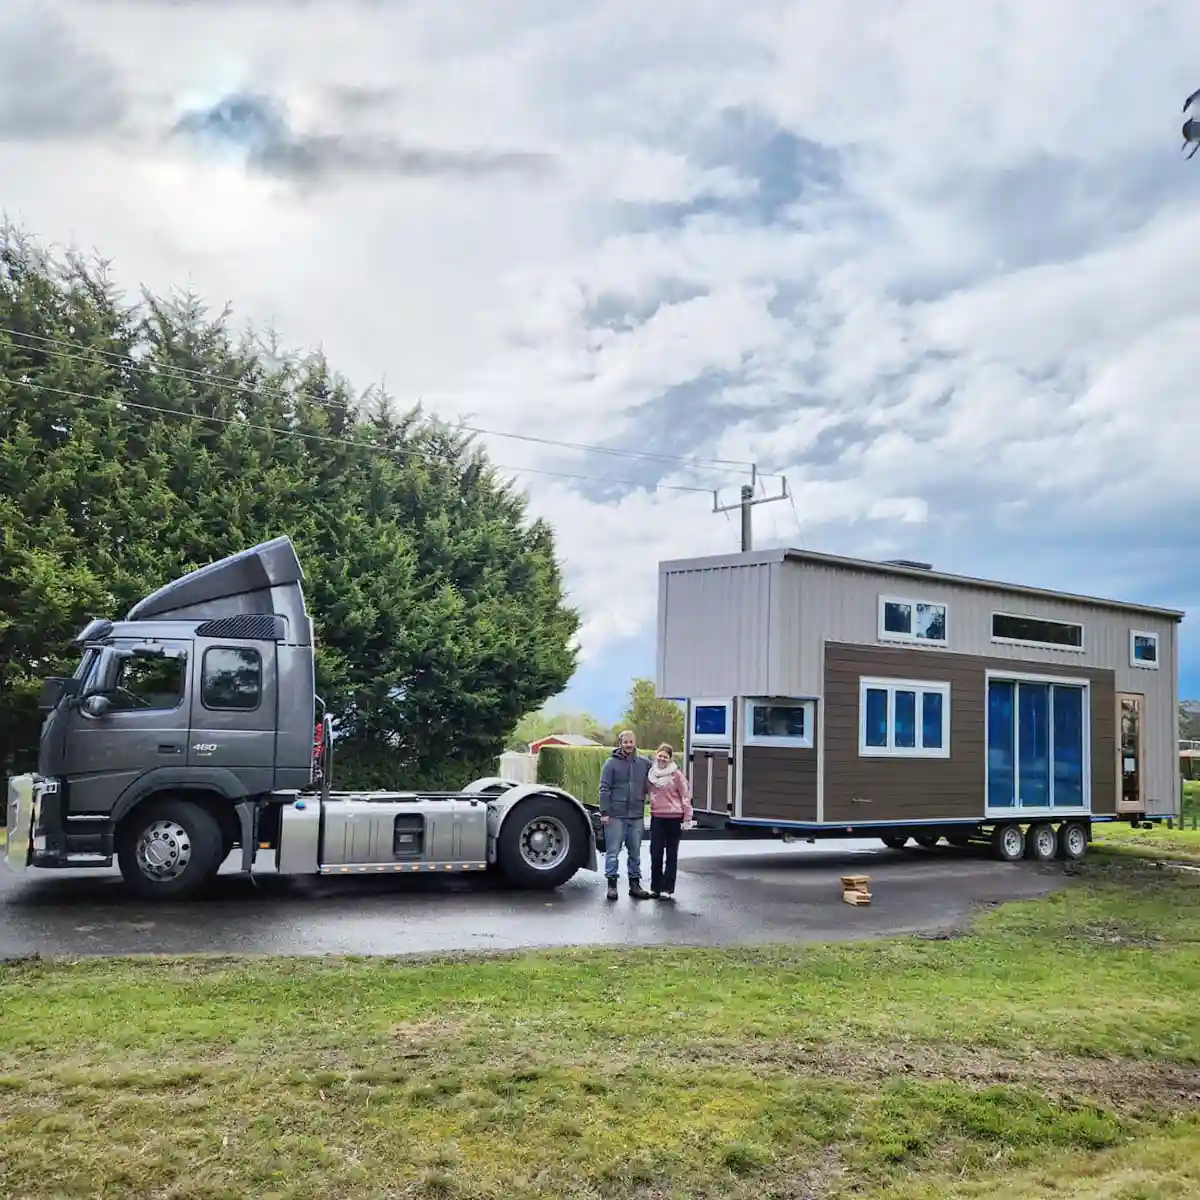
<point x="138" y="441"/>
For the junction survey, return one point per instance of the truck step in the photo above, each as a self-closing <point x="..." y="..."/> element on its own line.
<point x="395" y="868"/>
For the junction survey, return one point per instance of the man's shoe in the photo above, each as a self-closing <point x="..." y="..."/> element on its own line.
<point x="637" y="891"/>
<point x="612" y="889"/>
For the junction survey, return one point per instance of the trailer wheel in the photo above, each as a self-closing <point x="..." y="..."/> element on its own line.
<point x="169" y="850"/>
<point x="542" y="842"/>
<point x="1008" y="842"/>
<point x="928" y="841"/>
<point x="1041" y="842"/>
<point x="894" y="841"/>
<point x="1072" y="840"/>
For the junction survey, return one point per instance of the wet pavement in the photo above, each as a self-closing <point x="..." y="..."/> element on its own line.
<point x="728" y="893"/>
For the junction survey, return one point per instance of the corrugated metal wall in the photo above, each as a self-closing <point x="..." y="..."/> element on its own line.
<point x="714" y="631"/>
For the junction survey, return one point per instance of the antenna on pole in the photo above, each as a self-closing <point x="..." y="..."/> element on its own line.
<point x="747" y="503"/>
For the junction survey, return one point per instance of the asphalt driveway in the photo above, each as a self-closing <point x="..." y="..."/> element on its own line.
<point x="728" y="893"/>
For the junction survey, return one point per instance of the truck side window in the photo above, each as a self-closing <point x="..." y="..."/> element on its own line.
<point x="150" y="683"/>
<point x="231" y="678"/>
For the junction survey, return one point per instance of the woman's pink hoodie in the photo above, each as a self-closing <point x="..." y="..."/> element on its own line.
<point x="672" y="798"/>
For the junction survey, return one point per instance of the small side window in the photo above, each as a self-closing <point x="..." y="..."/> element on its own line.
<point x="231" y="678"/>
<point x="779" y="722"/>
<point x="1143" y="648"/>
<point x="712" y="723"/>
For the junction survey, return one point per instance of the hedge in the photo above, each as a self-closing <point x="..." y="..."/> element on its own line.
<point x="575" y="769"/>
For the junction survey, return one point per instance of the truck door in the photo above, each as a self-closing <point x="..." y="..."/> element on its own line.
<point x="234" y="710"/>
<point x="143" y="725"/>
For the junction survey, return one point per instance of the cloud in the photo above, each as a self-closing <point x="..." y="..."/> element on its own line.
<point x="935" y="262"/>
<point x="51" y="87"/>
<point x="255" y="127"/>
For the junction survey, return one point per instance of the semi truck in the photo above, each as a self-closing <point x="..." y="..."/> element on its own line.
<point x="192" y="729"/>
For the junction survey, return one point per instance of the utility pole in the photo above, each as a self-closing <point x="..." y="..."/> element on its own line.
<point x="747" y="503"/>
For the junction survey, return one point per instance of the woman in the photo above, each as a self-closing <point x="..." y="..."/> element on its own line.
<point x="670" y="806"/>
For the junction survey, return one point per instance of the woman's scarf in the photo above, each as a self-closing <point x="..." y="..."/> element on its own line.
<point x="659" y="776"/>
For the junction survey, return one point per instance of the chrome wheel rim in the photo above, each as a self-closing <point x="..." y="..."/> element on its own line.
<point x="1045" y="842"/>
<point x="1012" y="842"/>
<point x="164" y="850"/>
<point x="544" y="843"/>
<point x="1075" y="840"/>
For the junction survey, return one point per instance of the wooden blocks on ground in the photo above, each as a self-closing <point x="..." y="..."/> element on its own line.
<point x="854" y="889"/>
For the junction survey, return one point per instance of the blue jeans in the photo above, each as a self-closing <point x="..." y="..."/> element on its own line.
<point x="627" y="832"/>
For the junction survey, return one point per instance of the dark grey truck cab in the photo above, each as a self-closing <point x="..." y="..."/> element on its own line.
<point x="191" y="729"/>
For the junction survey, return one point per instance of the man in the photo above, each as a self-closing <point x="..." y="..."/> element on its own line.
<point x="623" y="813"/>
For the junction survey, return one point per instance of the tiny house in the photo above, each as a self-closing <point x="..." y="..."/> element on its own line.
<point x="837" y="696"/>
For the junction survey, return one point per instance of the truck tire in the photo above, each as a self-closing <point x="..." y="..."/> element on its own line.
<point x="169" y="849"/>
<point x="542" y="843"/>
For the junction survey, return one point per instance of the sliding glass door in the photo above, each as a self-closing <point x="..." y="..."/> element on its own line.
<point x="1036" y="745"/>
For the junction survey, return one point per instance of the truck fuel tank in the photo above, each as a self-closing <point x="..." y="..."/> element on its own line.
<point x="378" y="832"/>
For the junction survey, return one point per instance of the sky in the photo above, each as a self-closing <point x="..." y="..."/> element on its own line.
<point x="935" y="263"/>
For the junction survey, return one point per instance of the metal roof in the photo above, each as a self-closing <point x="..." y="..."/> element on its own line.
<point x="896" y="570"/>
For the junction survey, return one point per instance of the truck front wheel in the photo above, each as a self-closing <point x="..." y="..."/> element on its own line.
<point x="169" y="850"/>
<point x="541" y="842"/>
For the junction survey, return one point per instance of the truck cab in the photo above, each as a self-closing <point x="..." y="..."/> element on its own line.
<point x="191" y="728"/>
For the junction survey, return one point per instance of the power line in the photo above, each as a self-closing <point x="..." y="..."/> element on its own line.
<point x="192" y="375"/>
<point x="333" y="440"/>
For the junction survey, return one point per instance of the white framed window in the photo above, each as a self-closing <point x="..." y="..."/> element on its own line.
<point x="775" y="721"/>
<point x="903" y="718"/>
<point x="922" y="622"/>
<point x="1143" y="649"/>
<point x="1046" y="633"/>
<point x="712" y="723"/>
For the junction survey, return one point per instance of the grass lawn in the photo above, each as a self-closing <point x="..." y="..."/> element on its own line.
<point x="1181" y="844"/>
<point x="1052" y="1052"/>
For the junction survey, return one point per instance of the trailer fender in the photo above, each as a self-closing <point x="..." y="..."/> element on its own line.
<point x="492" y="783"/>
<point x="502" y="804"/>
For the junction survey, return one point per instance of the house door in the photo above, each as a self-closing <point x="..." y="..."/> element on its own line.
<point x="711" y="777"/>
<point x="1131" y="754"/>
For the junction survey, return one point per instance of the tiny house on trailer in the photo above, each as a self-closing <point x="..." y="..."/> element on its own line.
<point x="830" y="696"/>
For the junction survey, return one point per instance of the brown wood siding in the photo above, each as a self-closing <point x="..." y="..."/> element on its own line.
<point x="899" y="789"/>
<point x="1104" y="741"/>
<point x="779" y="783"/>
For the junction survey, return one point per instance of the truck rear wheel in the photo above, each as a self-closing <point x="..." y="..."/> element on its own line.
<point x="169" y="850"/>
<point x="541" y="842"/>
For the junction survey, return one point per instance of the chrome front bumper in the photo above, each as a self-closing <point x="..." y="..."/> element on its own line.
<point x="25" y="794"/>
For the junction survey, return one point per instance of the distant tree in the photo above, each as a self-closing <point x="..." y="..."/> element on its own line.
<point x="140" y="441"/>
<point x="654" y="720"/>
<point x="1189" y="719"/>
<point x="536" y="725"/>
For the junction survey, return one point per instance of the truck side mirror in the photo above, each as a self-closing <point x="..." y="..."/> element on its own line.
<point x="104" y="677"/>
<point x="96" y="706"/>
